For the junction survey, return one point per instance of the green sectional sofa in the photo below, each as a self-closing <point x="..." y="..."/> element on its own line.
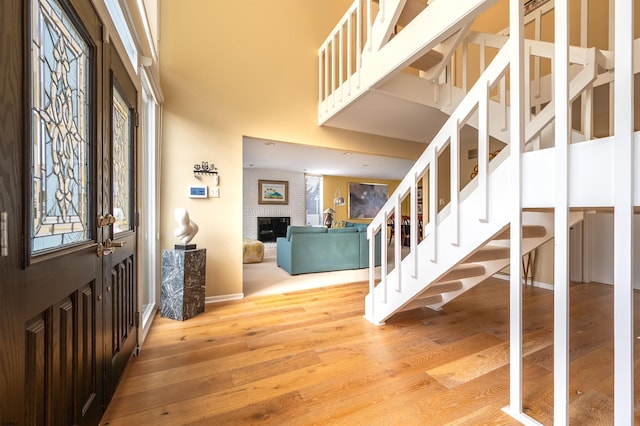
<point x="308" y="249"/>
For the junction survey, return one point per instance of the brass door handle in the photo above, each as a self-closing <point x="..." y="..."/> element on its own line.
<point x="113" y="244"/>
<point x="103" y="251"/>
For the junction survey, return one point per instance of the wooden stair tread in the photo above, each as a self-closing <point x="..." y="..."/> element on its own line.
<point x="421" y="303"/>
<point x="488" y="253"/>
<point x="463" y="271"/>
<point x="440" y="288"/>
<point x="528" y="231"/>
<point x="428" y="61"/>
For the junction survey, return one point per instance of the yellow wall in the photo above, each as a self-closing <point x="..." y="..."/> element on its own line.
<point x="245" y="68"/>
<point x="240" y="68"/>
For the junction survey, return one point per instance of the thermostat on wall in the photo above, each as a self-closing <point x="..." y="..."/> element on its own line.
<point x="198" y="191"/>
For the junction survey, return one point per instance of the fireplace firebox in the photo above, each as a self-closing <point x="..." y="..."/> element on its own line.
<point x="270" y="228"/>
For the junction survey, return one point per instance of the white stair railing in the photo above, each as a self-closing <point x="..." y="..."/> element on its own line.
<point x="476" y="105"/>
<point x="427" y="164"/>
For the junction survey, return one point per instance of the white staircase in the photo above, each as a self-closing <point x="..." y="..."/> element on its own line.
<point x="470" y="226"/>
<point x="363" y="87"/>
<point x="464" y="244"/>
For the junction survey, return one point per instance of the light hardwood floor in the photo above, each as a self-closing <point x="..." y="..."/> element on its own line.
<point x="309" y="357"/>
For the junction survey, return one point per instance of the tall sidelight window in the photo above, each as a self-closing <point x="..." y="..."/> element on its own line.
<point x="60" y="129"/>
<point x="150" y="199"/>
<point x="313" y="200"/>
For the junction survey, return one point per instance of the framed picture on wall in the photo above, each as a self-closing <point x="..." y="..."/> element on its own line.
<point x="366" y="199"/>
<point x="273" y="192"/>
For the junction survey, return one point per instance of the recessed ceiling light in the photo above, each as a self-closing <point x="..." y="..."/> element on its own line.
<point x="346" y="153"/>
<point x="365" y="165"/>
<point x="270" y="143"/>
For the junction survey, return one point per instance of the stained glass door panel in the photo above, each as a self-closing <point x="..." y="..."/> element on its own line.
<point x="60" y="130"/>
<point x="122" y="161"/>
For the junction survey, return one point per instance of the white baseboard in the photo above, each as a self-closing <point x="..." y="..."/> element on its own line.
<point x="545" y="286"/>
<point x="224" y="298"/>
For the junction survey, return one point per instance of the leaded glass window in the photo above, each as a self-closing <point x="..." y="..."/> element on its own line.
<point x="60" y="129"/>
<point x="121" y="140"/>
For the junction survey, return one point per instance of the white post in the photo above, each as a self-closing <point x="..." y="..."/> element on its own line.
<point x="561" y="217"/>
<point x="415" y="225"/>
<point x="483" y="152"/>
<point x="369" y="40"/>
<point x="371" y="313"/>
<point x="585" y="98"/>
<point x="341" y="62"/>
<point x="454" y="150"/>
<point x="527" y="84"/>
<point x="358" y="42"/>
<point x="536" y="60"/>
<point x="383" y="265"/>
<point x="433" y="203"/>
<point x="325" y="74"/>
<point x="320" y="76"/>
<point x="503" y="102"/>
<point x="623" y="215"/>
<point x="333" y="68"/>
<point x="516" y="141"/>
<point x="397" y="244"/>
<point x="349" y="51"/>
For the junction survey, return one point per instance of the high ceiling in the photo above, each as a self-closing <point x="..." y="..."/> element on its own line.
<point x="265" y="154"/>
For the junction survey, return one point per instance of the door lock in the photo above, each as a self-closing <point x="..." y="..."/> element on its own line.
<point x="106" y="220"/>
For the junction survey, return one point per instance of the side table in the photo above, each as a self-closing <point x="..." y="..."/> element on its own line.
<point x="183" y="283"/>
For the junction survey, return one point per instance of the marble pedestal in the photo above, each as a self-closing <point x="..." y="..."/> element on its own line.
<point x="183" y="282"/>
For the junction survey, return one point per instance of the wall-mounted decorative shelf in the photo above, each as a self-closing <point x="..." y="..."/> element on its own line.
<point x="204" y="169"/>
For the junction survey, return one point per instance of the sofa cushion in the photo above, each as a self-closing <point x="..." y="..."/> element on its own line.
<point x="304" y="230"/>
<point x="359" y="226"/>
<point x="341" y="230"/>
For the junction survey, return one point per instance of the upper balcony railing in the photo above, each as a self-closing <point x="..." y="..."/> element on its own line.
<point x="340" y="56"/>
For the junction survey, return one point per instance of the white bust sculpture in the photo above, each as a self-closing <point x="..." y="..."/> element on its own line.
<point x="187" y="229"/>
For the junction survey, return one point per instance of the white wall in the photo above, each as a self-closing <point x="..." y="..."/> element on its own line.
<point x="252" y="210"/>
<point x="601" y="248"/>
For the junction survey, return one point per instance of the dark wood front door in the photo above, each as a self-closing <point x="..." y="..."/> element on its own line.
<point x="120" y="265"/>
<point x="67" y="204"/>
